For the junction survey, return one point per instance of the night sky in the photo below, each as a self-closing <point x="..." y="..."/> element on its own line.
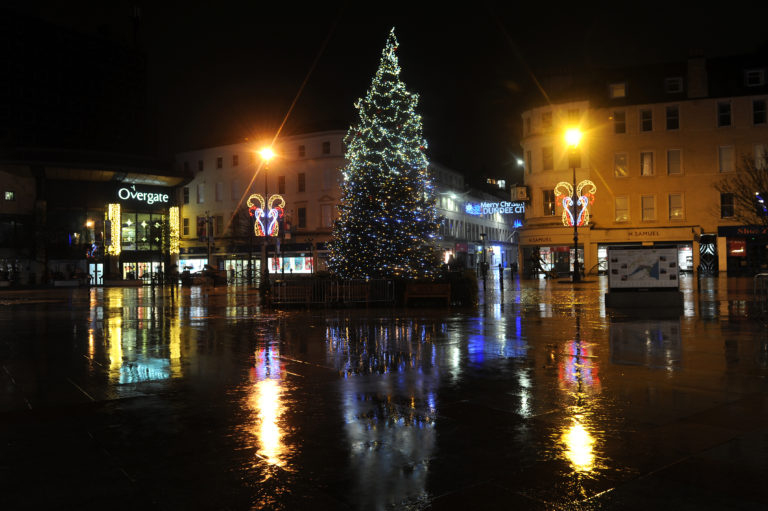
<point x="218" y="74"/>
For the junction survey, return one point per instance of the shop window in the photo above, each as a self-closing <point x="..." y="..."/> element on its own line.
<point x="726" y="205"/>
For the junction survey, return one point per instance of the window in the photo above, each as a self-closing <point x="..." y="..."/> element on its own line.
<point x="302" y="151"/>
<point x="549" y="202"/>
<point x="234" y="192"/>
<point x="646" y="120"/>
<point x="302" y="218"/>
<point x="218" y="225"/>
<point x="726" y="205"/>
<point x="761" y="156"/>
<point x="9" y="195"/>
<point x="326" y="215"/>
<point x="725" y="158"/>
<point x="675" y="206"/>
<point x="754" y="77"/>
<point x="674" y="165"/>
<point x="621" y="207"/>
<point x="235" y="160"/>
<point x="758" y="111"/>
<point x="185" y="198"/>
<point x="619" y="122"/>
<point x="219" y="191"/>
<point x="546" y="120"/>
<point x="219" y="162"/>
<point x="329" y="178"/>
<point x="648" y="203"/>
<point x="617" y="90"/>
<point x="723" y="114"/>
<point x="200" y="193"/>
<point x="528" y="163"/>
<point x="326" y="148"/>
<point x="527" y="123"/>
<point x="302" y="182"/>
<point x="646" y="163"/>
<point x="547" y="158"/>
<point x="185" y="227"/>
<point x="573" y="116"/>
<point x="200" y="165"/>
<point x="620" y="165"/>
<point x="673" y="118"/>
<point x="673" y="85"/>
<point x="280" y="184"/>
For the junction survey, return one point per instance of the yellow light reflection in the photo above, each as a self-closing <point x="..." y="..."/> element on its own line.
<point x="579" y="447"/>
<point x="115" y="340"/>
<point x="175" y="348"/>
<point x="266" y="401"/>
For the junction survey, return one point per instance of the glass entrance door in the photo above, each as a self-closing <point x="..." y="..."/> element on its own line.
<point x="96" y="272"/>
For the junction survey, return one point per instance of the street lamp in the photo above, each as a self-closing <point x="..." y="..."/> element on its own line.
<point x="266" y="155"/>
<point x="572" y="139"/>
<point x="483" y="268"/>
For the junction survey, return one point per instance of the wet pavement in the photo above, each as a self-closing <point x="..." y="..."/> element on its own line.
<point x="538" y="399"/>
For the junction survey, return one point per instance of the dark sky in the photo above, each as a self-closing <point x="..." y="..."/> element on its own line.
<point x="221" y="72"/>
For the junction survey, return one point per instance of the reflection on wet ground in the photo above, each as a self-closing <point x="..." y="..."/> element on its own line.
<point x="539" y="398"/>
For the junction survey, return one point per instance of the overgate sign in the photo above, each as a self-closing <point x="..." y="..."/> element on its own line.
<point x="149" y="197"/>
<point x="489" y="208"/>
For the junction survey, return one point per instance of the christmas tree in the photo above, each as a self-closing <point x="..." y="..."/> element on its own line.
<point x="388" y="222"/>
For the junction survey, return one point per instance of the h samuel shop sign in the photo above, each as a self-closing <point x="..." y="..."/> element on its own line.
<point x="131" y="193"/>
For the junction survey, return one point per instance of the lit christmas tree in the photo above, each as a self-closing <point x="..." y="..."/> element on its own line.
<point x="388" y="221"/>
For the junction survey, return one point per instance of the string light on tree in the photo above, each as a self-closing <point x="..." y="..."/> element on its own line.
<point x="388" y="221"/>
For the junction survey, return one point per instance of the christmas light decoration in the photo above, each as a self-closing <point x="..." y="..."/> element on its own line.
<point x="114" y="217"/>
<point x="585" y="191"/>
<point x="388" y="221"/>
<point x="173" y="229"/>
<point x="273" y="213"/>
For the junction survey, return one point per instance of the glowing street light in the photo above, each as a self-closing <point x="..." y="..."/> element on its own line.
<point x="572" y="139"/>
<point x="266" y="154"/>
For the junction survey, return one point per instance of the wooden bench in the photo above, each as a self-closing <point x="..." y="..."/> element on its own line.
<point x="428" y="290"/>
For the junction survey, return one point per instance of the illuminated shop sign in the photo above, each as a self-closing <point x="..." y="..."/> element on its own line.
<point x="131" y="193"/>
<point x="489" y="208"/>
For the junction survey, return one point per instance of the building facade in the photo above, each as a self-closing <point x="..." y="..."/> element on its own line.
<point x="656" y="142"/>
<point x="216" y="228"/>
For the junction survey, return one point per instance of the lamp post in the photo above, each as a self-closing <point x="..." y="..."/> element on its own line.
<point x="572" y="139"/>
<point x="266" y="155"/>
<point x="483" y="268"/>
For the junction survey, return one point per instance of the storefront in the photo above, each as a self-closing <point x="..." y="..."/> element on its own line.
<point x="141" y="233"/>
<point x="746" y="249"/>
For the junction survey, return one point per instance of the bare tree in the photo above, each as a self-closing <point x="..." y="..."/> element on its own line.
<point x="745" y="192"/>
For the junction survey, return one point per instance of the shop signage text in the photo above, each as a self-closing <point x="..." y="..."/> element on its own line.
<point x="643" y="234"/>
<point x="489" y="208"/>
<point x="539" y="239"/>
<point x="148" y="197"/>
